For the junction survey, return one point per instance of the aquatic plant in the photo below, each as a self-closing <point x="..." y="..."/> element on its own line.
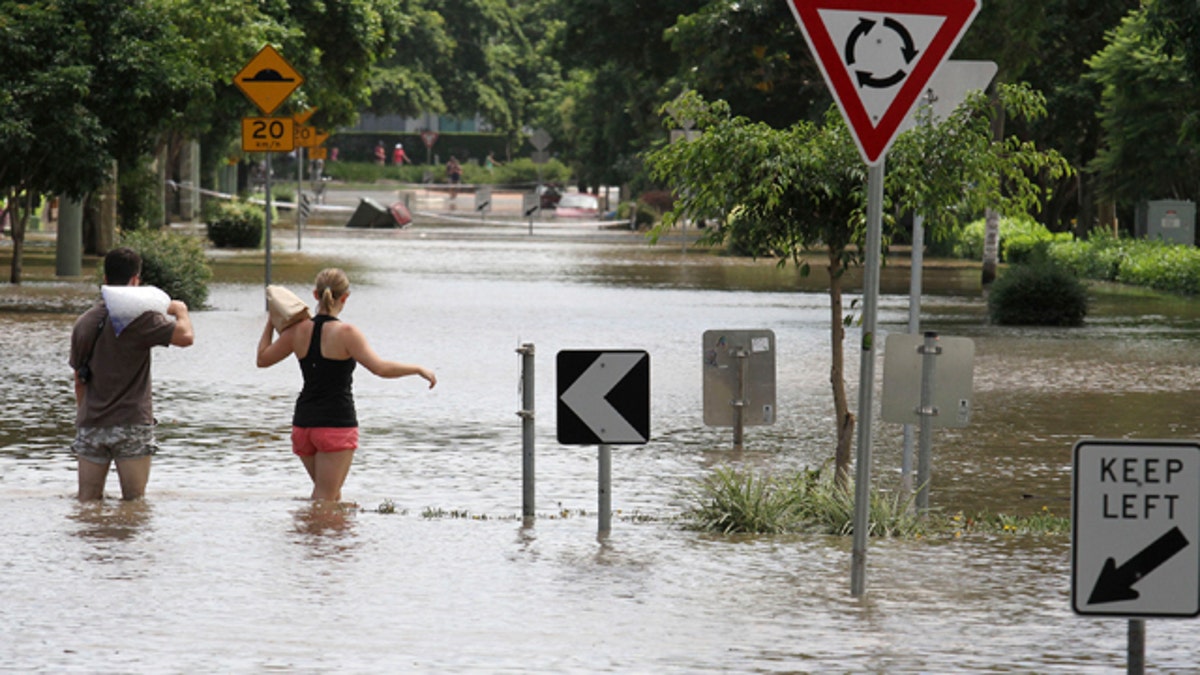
<point x="734" y="500"/>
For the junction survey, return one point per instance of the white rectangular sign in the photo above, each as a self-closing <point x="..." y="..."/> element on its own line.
<point x="1135" y="541"/>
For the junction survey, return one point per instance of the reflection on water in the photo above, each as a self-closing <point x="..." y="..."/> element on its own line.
<point x="226" y="567"/>
<point x="112" y="521"/>
<point x="326" y="528"/>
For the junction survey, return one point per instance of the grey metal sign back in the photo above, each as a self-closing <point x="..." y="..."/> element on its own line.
<point x="953" y="380"/>
<point x="739" y="373"/>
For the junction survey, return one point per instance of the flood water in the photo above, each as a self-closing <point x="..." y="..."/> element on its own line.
<point x="226" y="568"/>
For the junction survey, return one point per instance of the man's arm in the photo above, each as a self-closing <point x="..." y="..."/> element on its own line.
<point x="78" y="390"/>
<point x="183" y="335"/>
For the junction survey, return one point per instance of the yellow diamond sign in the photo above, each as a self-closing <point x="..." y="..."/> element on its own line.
<point x="268" y="80"/>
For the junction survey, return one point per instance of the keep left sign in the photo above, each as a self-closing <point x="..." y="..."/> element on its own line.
<point x="1135" y="541"/>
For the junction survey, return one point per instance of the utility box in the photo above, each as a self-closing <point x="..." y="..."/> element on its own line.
<point x="1170" y="220"/>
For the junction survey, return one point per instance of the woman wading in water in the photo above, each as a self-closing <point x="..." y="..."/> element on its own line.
<point x="324" y="423"/>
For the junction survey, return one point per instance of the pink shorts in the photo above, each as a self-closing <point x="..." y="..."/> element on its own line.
<point x="308" y="441"/>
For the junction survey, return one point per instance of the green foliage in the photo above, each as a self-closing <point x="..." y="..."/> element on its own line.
<point x="173" y="262"/>
<point x="1022" y="239"/>
<point x="524" y="171"/>
<point x="956" y="168"/>
<point x="1151" y="145"/>
<point x="1163" y="266"/>
<point x="1041" y="294"/>
<point x="730" y="501"/>
<point x="733" y="500"/>
<point x="139" y="196"/>
<point x="235" y="224"/>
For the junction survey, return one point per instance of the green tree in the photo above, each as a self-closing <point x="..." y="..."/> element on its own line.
<point x="800" y="190"/>
<point x="85" y="82"/>
<point x="752" y="55"/>
<point x="460" y="56"/>
<point x="1149" y="103"/>
<point x="617" y="68"/>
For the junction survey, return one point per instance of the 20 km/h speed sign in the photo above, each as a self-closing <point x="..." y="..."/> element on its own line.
<point x="1135" y="528"/>
<point x="268" y="134"/>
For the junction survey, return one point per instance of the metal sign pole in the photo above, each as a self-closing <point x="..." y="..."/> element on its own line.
<point x="866" y="377"/>
<point x="739" y="404"/>
<point x="1136" y="657"/>
<point x="267" y="243"/>
<point x="527" y="432"/>
<point x="914" y="326"/>
<point x="929" y="352"/>
<point x="300" y="214"/>
<point x="605" y="501"/>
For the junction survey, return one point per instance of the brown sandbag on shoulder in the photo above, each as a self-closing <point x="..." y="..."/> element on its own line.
<point x="285" y="307"/>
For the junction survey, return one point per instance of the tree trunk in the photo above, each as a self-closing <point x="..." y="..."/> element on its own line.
<point x="19" y="218"/>
<point x="837" y="376"/>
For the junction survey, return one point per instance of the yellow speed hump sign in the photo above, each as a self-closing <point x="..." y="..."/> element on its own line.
<point x="268" y="80"/>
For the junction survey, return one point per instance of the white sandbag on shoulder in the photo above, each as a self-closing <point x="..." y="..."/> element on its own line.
<point x="285" y="307"/>
<point x="126" y="303"/>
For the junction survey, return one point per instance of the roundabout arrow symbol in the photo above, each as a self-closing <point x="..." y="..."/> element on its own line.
<point x="907" y="50"/>
<point x="1116" y="583"/>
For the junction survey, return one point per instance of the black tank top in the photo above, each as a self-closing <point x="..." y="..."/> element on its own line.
<point x="327" y="399"/>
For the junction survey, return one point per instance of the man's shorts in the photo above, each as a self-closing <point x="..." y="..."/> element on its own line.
<point x="104" y="444"/>
<point x="308" y="441"/>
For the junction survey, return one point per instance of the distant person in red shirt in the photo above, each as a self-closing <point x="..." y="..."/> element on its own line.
<point x="380" y="153"/>
<point x="398" y="156"/>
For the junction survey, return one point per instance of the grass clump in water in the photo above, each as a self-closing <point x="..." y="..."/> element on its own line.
<point x="734" y="500"/>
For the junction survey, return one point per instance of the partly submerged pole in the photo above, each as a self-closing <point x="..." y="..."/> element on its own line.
<point x="866" y="378"/>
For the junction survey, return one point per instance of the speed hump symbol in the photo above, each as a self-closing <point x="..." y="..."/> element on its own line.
<point x="268" y="80"/>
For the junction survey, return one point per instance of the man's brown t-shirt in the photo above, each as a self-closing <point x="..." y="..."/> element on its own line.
<point x="119" y="392"/>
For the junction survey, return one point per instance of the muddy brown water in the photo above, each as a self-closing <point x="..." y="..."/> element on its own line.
<point x="224" y="567"/>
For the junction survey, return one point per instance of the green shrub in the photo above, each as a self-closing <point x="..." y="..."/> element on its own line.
<point x="1027" y="241"/>
<point x="173" y="262"/>
<point x="235" y="224"/>
<point x="1022" y="240"/>
<point x="524" y="171"/>
<point x="1162" y="266"/>
<point x="138" y="198"/>
<point x="1174" y="268"/>
<point x="1038" y="295"/>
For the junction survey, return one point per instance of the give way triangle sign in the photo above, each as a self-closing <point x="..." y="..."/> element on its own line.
<point x="878" y="55"/>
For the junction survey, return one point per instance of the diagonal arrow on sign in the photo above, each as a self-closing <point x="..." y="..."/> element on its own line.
<point x="586" y="397"/>
<point x="1116" y="583"/>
